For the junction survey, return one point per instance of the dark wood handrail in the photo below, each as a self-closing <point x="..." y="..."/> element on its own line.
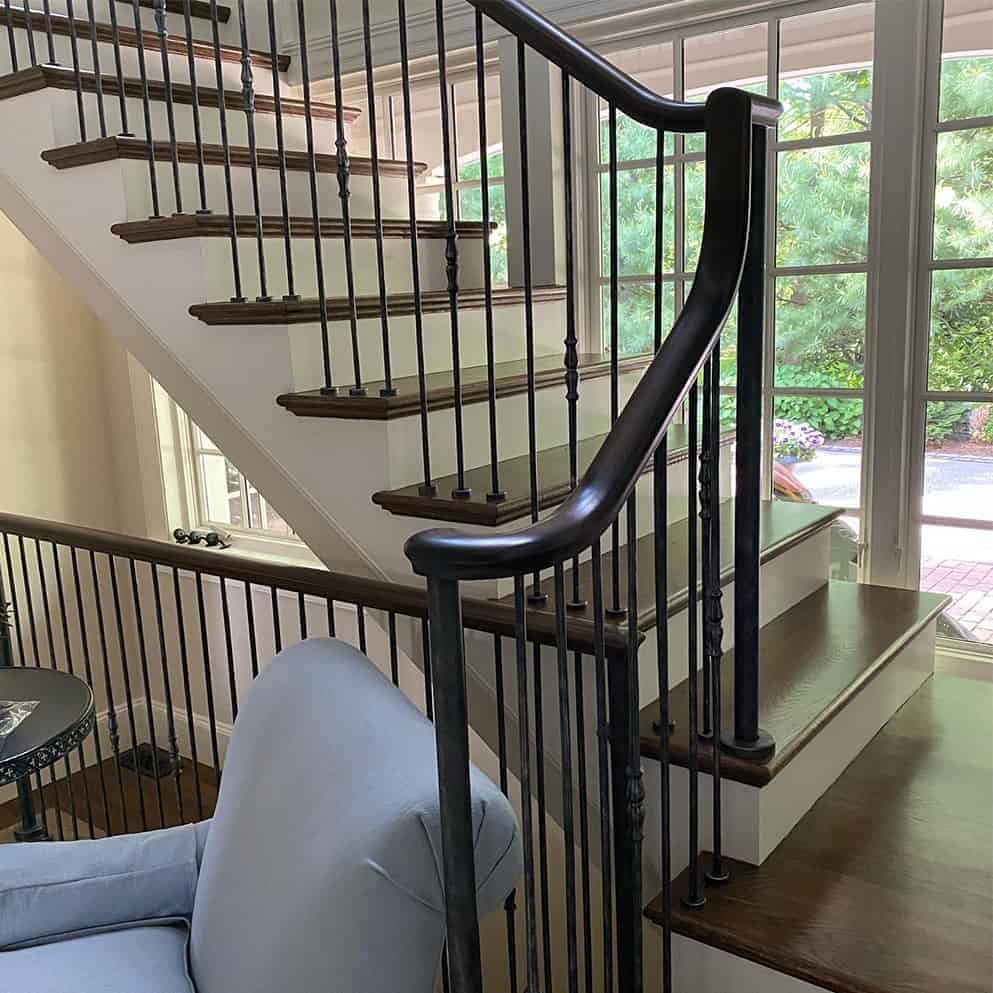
<point x="487" y="616"/>
<point x="605" y="79"/>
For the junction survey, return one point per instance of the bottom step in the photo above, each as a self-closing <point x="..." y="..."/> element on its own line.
<point x="886" y="885"/>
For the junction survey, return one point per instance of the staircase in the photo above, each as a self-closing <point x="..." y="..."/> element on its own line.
<point x="342" y="341"/>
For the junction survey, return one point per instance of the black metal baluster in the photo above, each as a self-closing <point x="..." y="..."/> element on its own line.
<point x="391" y="620"/>
<point x="660" y="480"/>
<point x="184" y="662"/>
<point x="167" y="690"/>
<point x="208" y="677"/>
<point x="510" y="904"/>
<point x="694" y="896"/>
<point x="615" y="609"/>
<point x="495" y="494"/>
<point x="568" y="800"/>
<point x="277" y="634"/>
<point x="145" y="107"/>
<point x="122" y="100"/>
<point x="77" y="75"/>
<point x="128" y="696"/>
<point x="329" y="389"/>
<point x="239" y="296"/>
<point x="146" y="682"/>
<point x="195" y="104"/>
<point x="67" y="647"/>
<point x="603" y="756"/>
<point x="586" y="857"/>
<point x="46" y="7"/>
<point x="248" y="103"/>
<point x="748" y="740"/>
<point x="527" y="811"/>
<point x="706" y="537"/>
<point x="162" y="31"/>
<point x="718" y="872"/>
<point x="229" y="649"/>
<point x="291" y="293"/>
<point x="32" y="51"/>
<point x="11" y="38"/>
<point x="344" y="195"/>
<point x="331" y="621"/>
<point x="113" y="726"/>
<point x="427" y="488"/>
<point x="461" y="491"/>
<point x="88" y="671"/>
<point x="539" y="750"/>
<point x="426" y="655"/>
<point x="377" y="206"/>
<point x="360" y="614"/>
<point x="253" y="646"/>
<point x="302" y="608"/>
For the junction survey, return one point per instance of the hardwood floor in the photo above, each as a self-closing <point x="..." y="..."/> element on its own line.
<point x="120" y="808"/>
<point x="886" y="886"/>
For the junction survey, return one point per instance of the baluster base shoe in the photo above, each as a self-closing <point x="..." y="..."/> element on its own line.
<point x="760" y="750"/>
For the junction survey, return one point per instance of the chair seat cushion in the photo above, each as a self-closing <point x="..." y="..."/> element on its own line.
<point x="142" y="959"/>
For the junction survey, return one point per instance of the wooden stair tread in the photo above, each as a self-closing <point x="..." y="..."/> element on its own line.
<point x="64" y="78"/>
<point x="176" y="43"/>
<point x="116" y="147"/>
<point x="886" y="883"/>
<point x="814" y="659"/>
<point x="515" y="480"/>
<point x="273" y="226"/>
<point x="198" y="8"/>
<point x="511" y="379"/>
<point x="782" y="525"/>
<point x="308" y="311"/>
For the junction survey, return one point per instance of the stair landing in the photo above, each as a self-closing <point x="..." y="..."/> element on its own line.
<point x="887" y="884"/>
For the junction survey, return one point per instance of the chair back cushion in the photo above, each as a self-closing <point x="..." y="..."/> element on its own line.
<point x="322" y="868"/>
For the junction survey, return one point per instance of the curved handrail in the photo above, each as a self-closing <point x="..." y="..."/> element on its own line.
<point x="604" y="78"/>
<point x="596" y="502"/>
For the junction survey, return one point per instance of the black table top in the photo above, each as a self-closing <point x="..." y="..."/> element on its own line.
<point x="60" y="722"/>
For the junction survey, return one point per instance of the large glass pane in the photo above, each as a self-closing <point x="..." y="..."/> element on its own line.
<point x="695" y="174"/>
<point x="735" y="57"/>
<point x="820" y="330"/>
<point x="967" y="60"/>
<point x="826" y="72"/>
<point x="635" y="142"/>
<point x="636" y="316"/>
<point x="963" y="195"/>
<point x="958" y="464"/>
<point x="471" y="206"/>
<point x="817" y="450"/>
<point x="465" y="99"/>
<point x="823" y="199"/>
<point x="961" y="355"/>
<point x="959" y="562"/>
<point x="221" y="484"/>
<point x="636" y="222"/>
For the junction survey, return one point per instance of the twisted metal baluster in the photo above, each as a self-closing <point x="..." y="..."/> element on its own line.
<point x="195" y="101"/>
<point x="122" y="101"/>
<point x="77" y="75"/>
<point x="153" y="179"/>
<point x="163" y="35"/>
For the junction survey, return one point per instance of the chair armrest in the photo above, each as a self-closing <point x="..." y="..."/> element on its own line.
<point x="55" y="888"/>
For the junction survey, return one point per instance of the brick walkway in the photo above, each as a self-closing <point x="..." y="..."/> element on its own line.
<point x="971" y="584"/>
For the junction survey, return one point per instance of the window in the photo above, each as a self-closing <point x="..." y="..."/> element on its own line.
<point x="957" y="490"/>
<point x="821" y="66"/>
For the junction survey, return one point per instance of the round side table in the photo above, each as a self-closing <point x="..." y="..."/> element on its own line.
<point x="60" y="723"/>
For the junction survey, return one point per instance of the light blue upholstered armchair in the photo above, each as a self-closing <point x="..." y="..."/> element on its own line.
<point x="320" y="870"/>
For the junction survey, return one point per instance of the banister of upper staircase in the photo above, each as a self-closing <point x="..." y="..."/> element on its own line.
<point x="605" y="79"/>
<point x="451" y="554"/>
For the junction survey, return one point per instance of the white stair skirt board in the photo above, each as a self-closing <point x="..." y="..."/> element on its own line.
<point x="699" y="968"/>
<point x="756" y="820"/>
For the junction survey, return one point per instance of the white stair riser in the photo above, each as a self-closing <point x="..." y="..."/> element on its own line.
<point x="757" y="820"/>
<point x="216" y="253"/>
<point x="130" y="64"/>
<point x="139" y="200"/>
<point x="508" y="338"/>
<point x="294" y="128"/>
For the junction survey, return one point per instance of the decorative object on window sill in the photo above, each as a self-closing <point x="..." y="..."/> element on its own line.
<point x="212" y="539"/>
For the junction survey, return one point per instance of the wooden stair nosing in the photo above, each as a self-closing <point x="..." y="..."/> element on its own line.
<point x="118" y="147"/>
<point x="339" y="308"/>
<point x="273" y="226"/>
<point x="514" y="476"/>
<point x="511" y="380"/>
<point x="198" y="8"/>
<point x="62" y="78"/>
<point x="782" y="526"/>
<point x="128" y="37"/>
<point x="816" y="657"/>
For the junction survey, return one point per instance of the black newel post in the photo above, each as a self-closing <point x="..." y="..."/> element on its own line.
<point x="747" y="739"/>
